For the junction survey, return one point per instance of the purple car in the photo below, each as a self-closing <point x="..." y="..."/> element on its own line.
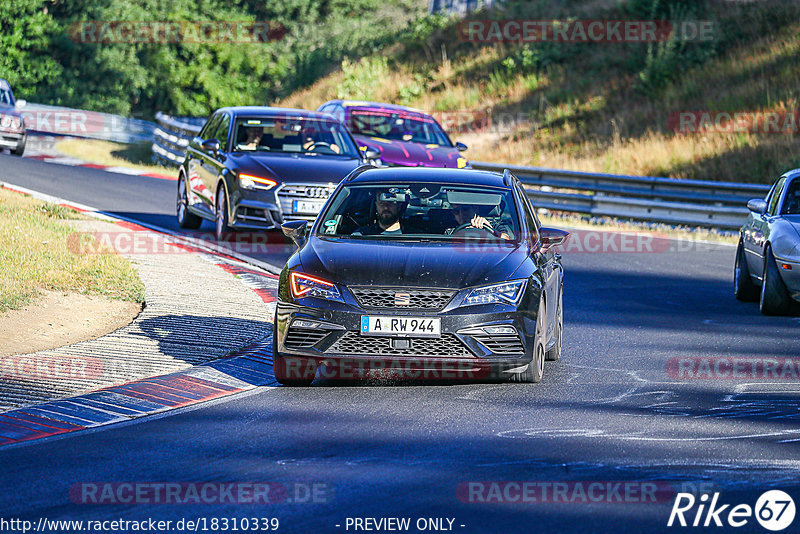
<point x="404" y="136"/>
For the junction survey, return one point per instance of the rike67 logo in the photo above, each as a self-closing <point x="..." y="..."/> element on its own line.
<point x="774" y="510"/>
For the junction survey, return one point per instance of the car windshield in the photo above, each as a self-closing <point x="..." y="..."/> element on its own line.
<point x="791" y="206"/>
<point x="397" y="127"/>
<point x="6" y="99"/>
<point x="430" y="211"/>
<point x="293" y="135"/>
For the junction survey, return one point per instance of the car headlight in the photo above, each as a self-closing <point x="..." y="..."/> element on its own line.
<point x="303" y="285"/>
<point x="503" y="293"/>
<point x="248" y="181"/>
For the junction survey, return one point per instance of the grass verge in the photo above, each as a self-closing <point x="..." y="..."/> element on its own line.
<point x="35" y="255"/>
<point x="136" y="156"/>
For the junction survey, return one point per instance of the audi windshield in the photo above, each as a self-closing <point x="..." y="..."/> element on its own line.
<point x="294" y="135"/>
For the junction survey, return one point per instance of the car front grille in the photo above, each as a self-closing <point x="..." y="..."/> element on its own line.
<point x="501" y="343"/>
<point x="402" y="298"/>
<point x="288" y="193"/>
<point x="304" y="338"/>
<point x="446" y="346"/>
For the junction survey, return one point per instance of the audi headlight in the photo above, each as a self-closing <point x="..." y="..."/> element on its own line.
<point x="248" y="181"/>
<point x="504" y="293"/>
<point x="304" y="285"/>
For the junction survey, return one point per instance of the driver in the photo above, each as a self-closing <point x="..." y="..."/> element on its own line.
<point x="390" y="205"/>
<point x="467" y="215"/>
<point x="253" y="139"/>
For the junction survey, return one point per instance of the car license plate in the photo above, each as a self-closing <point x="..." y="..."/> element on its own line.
<point x="401" y="326"/>
<point x="307" y="206"/>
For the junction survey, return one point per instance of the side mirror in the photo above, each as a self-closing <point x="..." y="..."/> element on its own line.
<point x="296" y="231"/>
<point x="552" y="237"/>
<point x="21" y="103"/>
<point x="211" y="146"/>
<point x="372" y="153"/>
<point x="757" y="205"/>
<point x="461" y="147"/>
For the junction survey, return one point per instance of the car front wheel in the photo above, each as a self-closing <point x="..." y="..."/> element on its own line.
<point x="222" y="228"/>
<point x="186" y="219"/>
<point x="743" y="287"/>
<point x="535" y="369"/>
<point x="775" y="299"/>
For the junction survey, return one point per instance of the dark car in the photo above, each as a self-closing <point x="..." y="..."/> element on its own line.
<point x="12" y="124"/>
<point x="256" y="167"/>
<point x="404" y="136"/>
<point x="421" y="268"/>
<point x="767" y="265"/>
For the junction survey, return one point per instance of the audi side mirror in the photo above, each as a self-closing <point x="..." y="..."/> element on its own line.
<point x="211" y="146"/>
<point x="296" y="231"/>
<point x="757" y="205"/>
<point x="372" y="153"/>
<point x="20" y="103"/>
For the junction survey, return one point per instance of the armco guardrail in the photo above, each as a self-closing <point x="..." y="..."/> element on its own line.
<point x="644" y="198"/>
<point x="56" y="120"/>
<point x="719" y="205"/>
<point x="171" y="137"/>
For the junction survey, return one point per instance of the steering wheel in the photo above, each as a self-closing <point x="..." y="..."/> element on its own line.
<point x="468" y="226"/>
<point x="315" y="144"/>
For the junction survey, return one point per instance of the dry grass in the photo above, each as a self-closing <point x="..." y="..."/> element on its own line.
<point x="35" y="255"/>
<point x="137" y="156"/>
<point x="588" y="112"/>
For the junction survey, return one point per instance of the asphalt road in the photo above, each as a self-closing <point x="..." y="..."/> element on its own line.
<point x="612" y="410"/>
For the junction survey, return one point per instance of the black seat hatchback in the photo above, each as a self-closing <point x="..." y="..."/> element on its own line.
<point x="420" y="273"/>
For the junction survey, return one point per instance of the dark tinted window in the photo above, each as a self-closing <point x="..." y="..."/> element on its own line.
<point x="222" y="132"/>
<point x="293" y="135"/>
<point x="772" y="203"/>
<point x="791" y="206"/>
<point x="210" y="126"/>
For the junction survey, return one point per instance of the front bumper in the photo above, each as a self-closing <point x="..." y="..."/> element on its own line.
<point x="462" y="348"/>
<point x="791" y="276"/>
<point x="11" y="139"/>
<point x="269" y="209"/>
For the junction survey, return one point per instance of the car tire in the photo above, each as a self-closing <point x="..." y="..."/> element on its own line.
<point x="775" y="299"/>
<point x="291" y="371"/>
<point x="186" y="219"/>
<point x="20" y="148"/>
<point x="535" y="369"/>
<point x="744" y="289"/>
<point x="221" y="228"/>
<point x="554" y="353"/>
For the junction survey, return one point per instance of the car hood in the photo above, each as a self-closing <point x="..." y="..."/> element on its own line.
<point x="432" y="264"/>
<point x="295" y="168"/>
<point x="412" y="154"/>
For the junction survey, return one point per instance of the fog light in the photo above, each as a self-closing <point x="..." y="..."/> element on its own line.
<point x="499" y="330"/>
<point x="300" y="323"/>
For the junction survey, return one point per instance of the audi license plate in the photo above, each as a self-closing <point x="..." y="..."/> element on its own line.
<point x="311" y="207"/>
<point x="401" y="326"/>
